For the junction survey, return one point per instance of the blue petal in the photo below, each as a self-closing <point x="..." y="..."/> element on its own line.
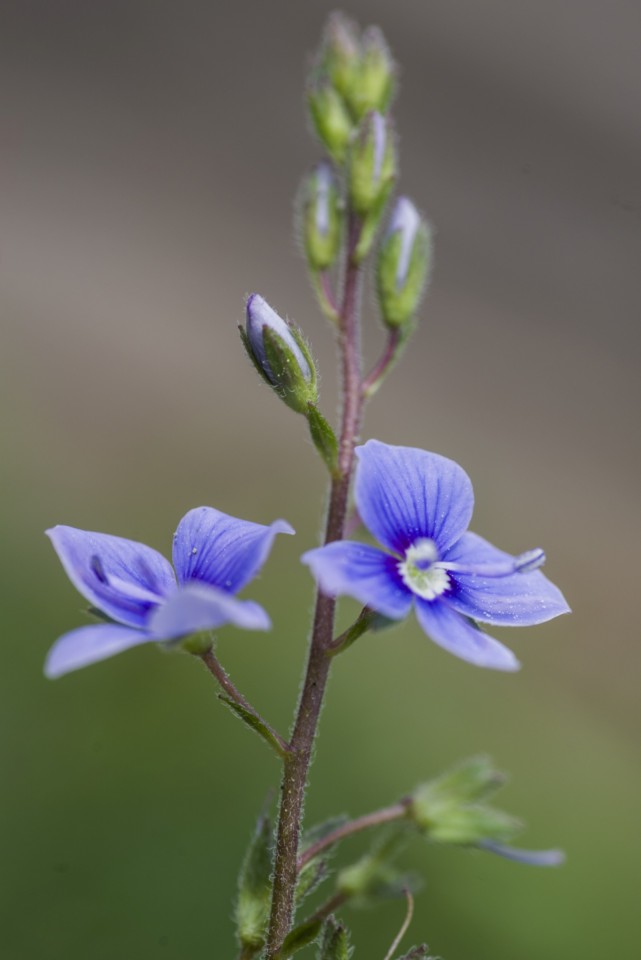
<point x="362" y="572"/>
<point x="518" y="600"/>
<point x="403" y="494"/>
<point x="532" y="858"/>
<point x="89" y="644"/>
<point x="453" y="632"/>
<point x="122" y="578"/>
<point x="222" y="551"/>
<point x="197" y="606"/>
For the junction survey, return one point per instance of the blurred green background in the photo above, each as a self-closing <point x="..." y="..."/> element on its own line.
<point x="151" y="151"/>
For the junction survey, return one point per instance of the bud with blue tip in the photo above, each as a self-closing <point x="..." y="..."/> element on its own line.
<point x="322" y="218"/>
<point x="403" y="264"/>
<point x="372" y="165"/>
<point x="280" y="354"/>
<point x="330" y="116"/>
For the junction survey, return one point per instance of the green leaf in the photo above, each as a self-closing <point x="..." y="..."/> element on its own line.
<point x="254" y="723"/>
<point x="254" y="887"/>
<point x="334" y="942"/>
<point x="299" y="937"/>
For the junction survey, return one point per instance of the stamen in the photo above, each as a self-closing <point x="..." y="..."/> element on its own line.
<point x="523" y="563"/>
<point x="420" y="571"/>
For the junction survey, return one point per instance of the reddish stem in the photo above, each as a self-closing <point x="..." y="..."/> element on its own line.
<point x="296" y="763"/>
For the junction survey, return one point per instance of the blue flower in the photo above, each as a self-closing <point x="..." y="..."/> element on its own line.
<point x="214" y="556"/>
<point x="418" y="506"/>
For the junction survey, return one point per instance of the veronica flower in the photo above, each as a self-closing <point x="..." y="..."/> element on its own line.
<point x="418" y="506"/>
<point x="136" y="590"/>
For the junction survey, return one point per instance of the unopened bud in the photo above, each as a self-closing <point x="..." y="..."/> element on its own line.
<point x="280" y="354"/>
<point x="372" y="163"/>
<point x="322" y="218"/>
<point x="341" y="52"/>
<point x="372" y="86"/>
<point x="403" y="264"/>
<point x="331" y="118"/>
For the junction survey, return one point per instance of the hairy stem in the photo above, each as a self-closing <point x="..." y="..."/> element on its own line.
<point x="398" y="811"/>
<point x="296" y="763"/>
<point x="375" y="377"/>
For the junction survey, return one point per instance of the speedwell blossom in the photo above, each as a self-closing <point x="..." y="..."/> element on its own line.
<point x="418" y="506"/>
<point x="137" y="591"/>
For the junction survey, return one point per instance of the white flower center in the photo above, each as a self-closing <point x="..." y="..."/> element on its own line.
<point x="421" y="573"/>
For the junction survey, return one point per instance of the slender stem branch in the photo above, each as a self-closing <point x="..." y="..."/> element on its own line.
<point x="330" y="906"/>
<point x="406" y="922"/>
<point x="375" y="377"/>
<point x="360" y="626"/>
<point x="218" y="671"/>
<point x="375" y="819"/>
<point x="296" y="764"/>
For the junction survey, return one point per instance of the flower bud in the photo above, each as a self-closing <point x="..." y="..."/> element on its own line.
<point x="280" y="354"/>
<point x="403" y="264"/>
<point x="341" y="53"/>
<point x="372" y="164"/>
<point x="322" y="218"/>
<point x="331" y="118"/>
<point x="372" y="86"/>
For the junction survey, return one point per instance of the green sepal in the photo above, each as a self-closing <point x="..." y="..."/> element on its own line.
<point x="449" y="809"/>
<point x="374" y="876"/>
<point x="372" y="84"/>
<point x="331" y="118"/>
<point x="417" y="953"/>
<point x="399" y="304"/>
<point x="250" y="353"/>
<point x="254" y="887"/>
<point x="323" y="437"/>
<point x="366" y="183"/>
<point x="334" y="941"/>
<point x="299" y="937"/>
<point x="341" y="52"/>
<point x="470" y="825"/>
<point x="371" y="223"/>
<point x="468" y="782"/>
<point x="287" y="378"/>
<point x="254" y="723"/>
<point x="321" y="247"/>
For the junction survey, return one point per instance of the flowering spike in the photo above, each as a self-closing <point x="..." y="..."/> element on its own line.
<point x="403" y="264"/>
<point x="372" y="163"/>
<point x="331" y="118"/>
<point x="280" y="354"/>
<point x="322" y="218"/>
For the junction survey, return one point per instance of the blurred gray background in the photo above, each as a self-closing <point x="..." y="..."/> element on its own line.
<point x="150" y="155"/>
